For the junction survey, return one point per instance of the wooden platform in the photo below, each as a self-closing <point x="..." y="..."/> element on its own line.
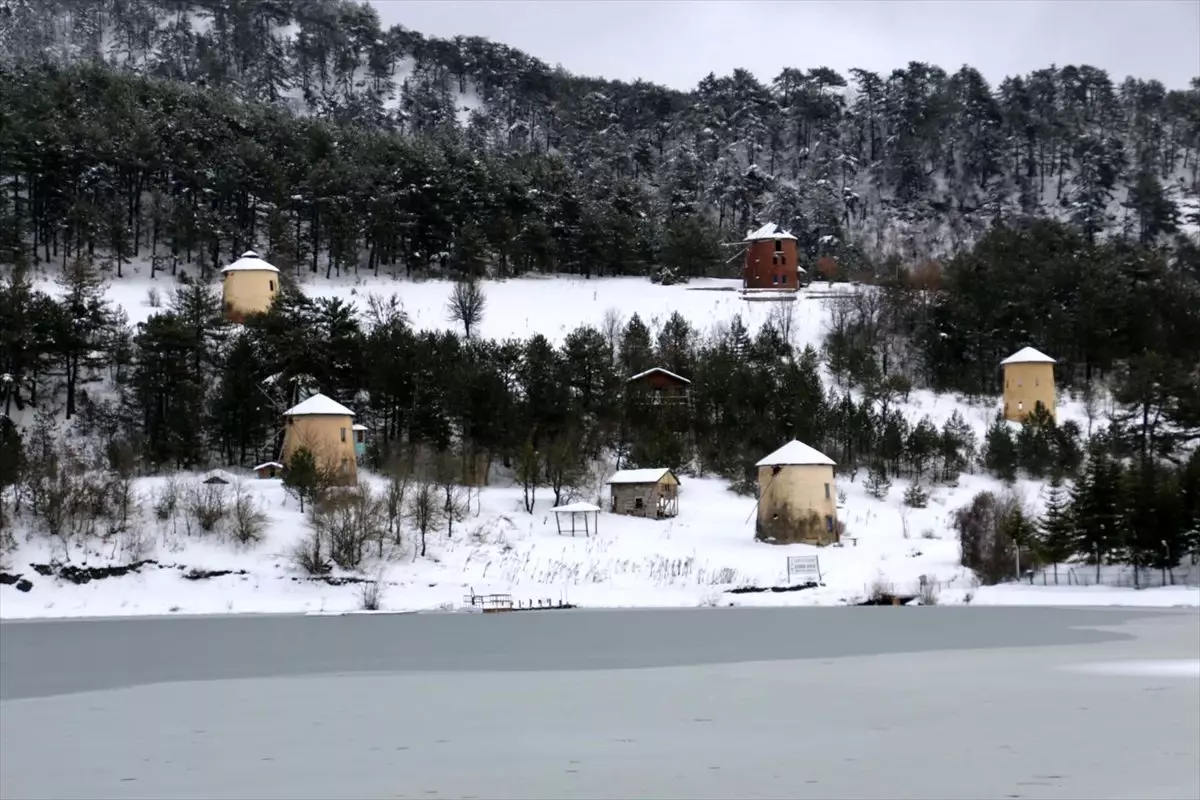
<point x="497" y="603"/>
<point x="765" y="295"/>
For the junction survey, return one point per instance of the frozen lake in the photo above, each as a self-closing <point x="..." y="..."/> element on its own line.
<point x="778" y="703"/>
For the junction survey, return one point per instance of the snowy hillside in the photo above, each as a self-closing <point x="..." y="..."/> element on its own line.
<point x="916" y="163"/>
<point x="497" y="547"/>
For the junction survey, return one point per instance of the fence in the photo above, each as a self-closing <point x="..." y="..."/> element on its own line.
<point x="1121" y="576"/>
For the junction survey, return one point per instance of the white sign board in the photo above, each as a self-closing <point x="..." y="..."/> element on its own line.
<point x="803" y="569"/>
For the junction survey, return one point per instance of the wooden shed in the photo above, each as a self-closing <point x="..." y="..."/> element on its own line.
<point x="218" y="477"/>
<point x="662" y="386"/>
<point x="269" y="469"/>
<point x="652" y="492"/>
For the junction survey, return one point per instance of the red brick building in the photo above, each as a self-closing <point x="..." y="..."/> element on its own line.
<point x="772" y="260"/>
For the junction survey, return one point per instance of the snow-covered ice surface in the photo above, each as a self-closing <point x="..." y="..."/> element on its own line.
<point x="691" y="560"/>
<point x="1134" y="668"/>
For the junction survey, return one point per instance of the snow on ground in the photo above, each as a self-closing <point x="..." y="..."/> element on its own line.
<point x="519" y="307"/>
<point x="692" y="560"/>
<point x="688" y="561"/>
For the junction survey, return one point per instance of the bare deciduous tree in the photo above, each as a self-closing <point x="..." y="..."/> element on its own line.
<point x="782" y="317"/>
<point x="467" y="304"/>
<point x="612" y="328"/>
<point x="123" y="461"/>
<point x="563" y="465"/>
<point x="424" y="512"/>
<point x="347" y="522"/>
<point x="455" y="500"/>
<point x="528" y="473"/>
<point x="399" y="478"/>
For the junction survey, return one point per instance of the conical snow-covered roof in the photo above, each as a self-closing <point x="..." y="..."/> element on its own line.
<point x="250" y="262"/>
<point x="1027" y="355"/>
<point x="768" y="231"/>
<point x="796" y="454"/>
<point x="319" y="405"/>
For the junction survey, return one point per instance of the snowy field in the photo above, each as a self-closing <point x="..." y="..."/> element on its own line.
<point x="692" y="560"/>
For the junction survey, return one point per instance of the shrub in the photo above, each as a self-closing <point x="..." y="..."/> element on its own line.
<point x="309" y="557"/>
<point x="207" y="505"/>
<point x="165" y="500"/>
<point x="915" y="496"/>
<point x="248" y="522"/>
<point x="370" y="595"/>
<point x="928" y="592"/>
<point x="881" y="590"/>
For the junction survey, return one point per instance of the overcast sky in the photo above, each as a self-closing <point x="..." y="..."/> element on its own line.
<point x="678" y="42"/>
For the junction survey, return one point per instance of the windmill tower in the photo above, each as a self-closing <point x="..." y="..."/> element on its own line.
<point x="249" y="286"/>
<point x="771" y="264"/>
<point x="1028" y="382"/>
<point x="325" y="428"/>
<point x="281" y="394"/>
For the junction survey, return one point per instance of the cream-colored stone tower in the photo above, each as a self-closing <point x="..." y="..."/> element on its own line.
<point x="249" y="286"/>
<point x="797" y="500"/>
<point x="1028" y="380"/>
<point x="326" y="428"/>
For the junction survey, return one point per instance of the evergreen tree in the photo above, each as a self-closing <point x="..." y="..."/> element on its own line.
<point x="1057" y="530"/>
<point x="167" y="395"/>
<point x="303" y="478"/>
<point x="878" y="483"/>
<point x="242" y="417"/>
<point x="1000" y="451"/>
<point x="1096" y="509"/>
<point x="636" y="351"/>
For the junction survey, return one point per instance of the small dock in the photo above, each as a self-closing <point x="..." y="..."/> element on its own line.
<point x="497" y="603"/>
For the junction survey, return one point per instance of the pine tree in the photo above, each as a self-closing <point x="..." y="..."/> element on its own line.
<point x="636" y="351"/>
<point x="1000" y="451"/>
<point x="302" y="477"/>
<point x="1056" y="529"/>
<point x="1096" y="509"/>
<point x="878" y="483"/>
<point x="242" y="416"/>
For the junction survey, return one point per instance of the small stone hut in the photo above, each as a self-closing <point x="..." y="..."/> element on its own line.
<point x="1028" y="380"/>
<point x="797" y="501"/>
<point x="652" y="493"/>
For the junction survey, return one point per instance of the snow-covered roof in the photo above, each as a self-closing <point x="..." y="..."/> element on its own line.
<point x="1027" y="355"/>
<point x="666" y="372"/>
<point x="250" y="262"/>
<point x="651" y="475"/>
<point x="794" y="454"/>
<point x="358" y="426"/>
<point x="768" y="231"/>
<point x="266" y="464"/>
<point x="319" y="405"/>
<point x="218" y="476"/>
<point x="573" y="508"/>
